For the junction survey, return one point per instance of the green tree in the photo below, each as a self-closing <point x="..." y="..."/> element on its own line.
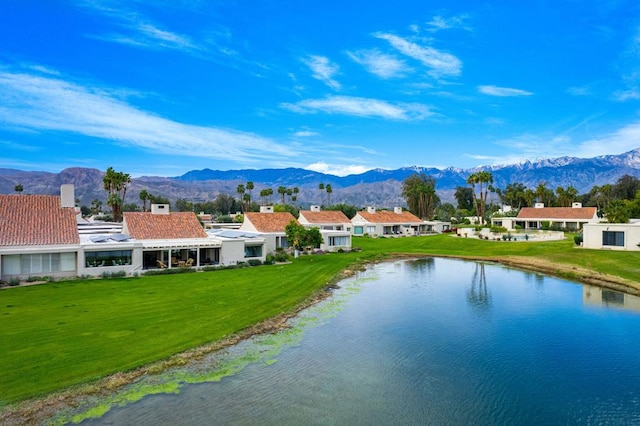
<point x="321" y="189"/>
<point x="282" y="191"/>
<point x="348" y="210"/>
<point x="419" y="191"/>
<point x="115" y="183"/>
<point x="626" y="188"/>
<point x="241" y="190"/>
<point x="183" y="205"/>
<point x="480" y="181"/>
<point x="96" y="206"/>
<point x="144" y="197"/>
<point x="514" y="195"/>
<point x="464" y="197"/>
<point x="445" y="212"/>
<point x="18" y="188"/>
<point x="617" y="212"/>
<point x="249" y="186"/>
<point x="300" y="237"/>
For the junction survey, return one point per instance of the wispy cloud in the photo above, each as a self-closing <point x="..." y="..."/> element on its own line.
<point x="42" y="103"/>
<point x="305" y="134"/>
<point x="502" y="91"/>
<point x="378" y="63"/>
<point x="361" y="107"/>
<point x="441" y="64"/>
<point x="439" y="23"/>
<point x="337" y="169"/>
<point x="625" y="95"/>
<point x="324" y="70"/>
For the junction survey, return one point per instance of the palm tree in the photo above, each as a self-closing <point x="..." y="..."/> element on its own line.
<point x="482" y="179"/>
<point x="264" y="194"/>
<point x="329" y="191"/>
<point x="249" y="187"/>
<point x="144" y="196"/>
<point x="115" y="183"/>
<point x="96" y="206"/>
<point x="295" y="195"/>
<point x="240" y="191"/>
<point x="282" y="191"/>
<point x="321" y="188"/>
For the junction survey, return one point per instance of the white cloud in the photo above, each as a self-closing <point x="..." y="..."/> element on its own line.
<point x="502" y="91"/>
<point x="380" y="64"/>
<point x="625" y="95"/>
<point x="337" y="169"/>
<point x="579" y="91"/>
<point x="438" y="23"/>
<point x="305" y="134"/>
<point x="440" y="63"/>
<point x="41" y="103"/>
<point x="362" y="107"/>
<point x="323" y="70"/>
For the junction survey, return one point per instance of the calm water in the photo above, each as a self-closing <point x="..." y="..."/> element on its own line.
<point x="430" y="341"/>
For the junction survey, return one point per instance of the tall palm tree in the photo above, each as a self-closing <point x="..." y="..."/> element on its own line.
<point x="144" y="196"/>
<point x="250" y="187"/>
<point x="321" y="188"/>
<point x="282" y="191"/>
<point x="329" y="191"/>
<point x="480" y="180"/>
<point x="115" y="183"/>
<point x="240" y="190"/>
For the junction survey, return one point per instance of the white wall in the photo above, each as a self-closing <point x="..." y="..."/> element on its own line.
<point x="592" y="235"/>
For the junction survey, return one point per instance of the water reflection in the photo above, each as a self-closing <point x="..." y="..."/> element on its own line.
<point x="478" y="294"/>
<point x="592" y="295"/>
<point x="425" y="264"/>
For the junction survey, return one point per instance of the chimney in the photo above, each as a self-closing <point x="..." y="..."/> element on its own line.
<point x="315" y="208"/>
<point x="576" y="205"/>
<point x="371" y="210"/>
<point x="67" y="195"/>
<point x="539" y="205"/>
<point x="266" y="209"/>
<point x="397" y="210"/>
<point x="159" y="208"/>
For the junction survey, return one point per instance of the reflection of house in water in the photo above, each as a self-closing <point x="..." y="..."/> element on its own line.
<point x="592" y="295"/>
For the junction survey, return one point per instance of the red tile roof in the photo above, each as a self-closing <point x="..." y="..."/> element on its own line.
<point x="149" y="226"/>
<point x="269" y="222"/>
<point x="389" y="217"/>
<point x="576" y="213"/>
<point x="36" y="220"/>
<point x="333" y="216"/>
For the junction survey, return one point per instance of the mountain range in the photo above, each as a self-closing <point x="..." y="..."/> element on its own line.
<point x="378" y="187"/>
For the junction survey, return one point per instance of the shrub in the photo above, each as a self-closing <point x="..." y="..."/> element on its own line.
<point x="545" y="225"/>
<point x="169" y="271"/>
<point x="498" y="229"/>
<point x="14" y="281"/>
<point x="340" y="250"/>
<point x="255" y="262"/>
<point x="578" y="239"/>
<point x="281" y="256"/>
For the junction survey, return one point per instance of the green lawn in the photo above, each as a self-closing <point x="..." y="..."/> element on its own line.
<point x="61" y="334"/>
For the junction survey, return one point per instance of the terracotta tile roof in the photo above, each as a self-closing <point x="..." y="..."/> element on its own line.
<point x="36" y="220"/>
<point x="269" y="222"/>
<point x="325" y="216"/>
<point x="149" y="226"/>
<point x="389" y="217"/>
<point x="583" y="213"/>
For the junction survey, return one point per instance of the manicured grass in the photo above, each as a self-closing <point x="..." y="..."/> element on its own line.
<point x="61" y="334"/>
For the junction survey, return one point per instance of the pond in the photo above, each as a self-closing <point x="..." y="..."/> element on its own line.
<point x="427" y="341"/>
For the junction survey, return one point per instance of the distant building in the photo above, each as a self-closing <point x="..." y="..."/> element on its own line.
<point x="334" y="225"/>
<point x="569" y="218"/>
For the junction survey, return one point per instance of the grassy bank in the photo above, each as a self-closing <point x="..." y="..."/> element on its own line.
<point x="62" y="334"/>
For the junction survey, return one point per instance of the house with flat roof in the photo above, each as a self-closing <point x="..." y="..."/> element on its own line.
<point x="334" y="226"/>
<point x="38" y="235"/>
<point x="396" y="223"/>
<point x="611" y="236"/>
<point x="533" y="218"/>
<point x="270" y="225"/>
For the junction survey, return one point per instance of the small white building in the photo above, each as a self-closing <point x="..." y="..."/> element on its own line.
<point x="611" y="236"/>
<point x="396" y="223"/>
<point x="569" y="218"/>
<point x="270" y="225"/>
<point x="334" y="226"/>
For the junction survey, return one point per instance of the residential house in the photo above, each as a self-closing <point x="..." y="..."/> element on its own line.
<point x="396" y="223"/>
<point x="270" y="225"/>
<point x="38" y="235"/>
<point x="611" y="236"/>
<point x="334" y="226"/>
<point x="569" y="218"/>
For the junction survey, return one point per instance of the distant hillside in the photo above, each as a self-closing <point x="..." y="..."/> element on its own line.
<point x="381" y="188"/>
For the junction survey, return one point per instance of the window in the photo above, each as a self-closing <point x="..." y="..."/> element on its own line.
<point x="107" y="258"/>
<point x="38" y="263"/>
<point x="371" y="229"/>
<point x="252" y="251"/>
<point x="358" y="230"/>
<point x="338" y="241"/>
<point x="613" y="238"/>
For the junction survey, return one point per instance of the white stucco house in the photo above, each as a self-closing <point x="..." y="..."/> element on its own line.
<point x="335" y="227"/>
<point x="396" y="223"/>
<point x="270" y="225"/>
<point x="532" y="218"/>
<point x="611" y="236"/>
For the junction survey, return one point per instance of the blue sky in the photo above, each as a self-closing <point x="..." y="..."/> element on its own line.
<point x="164" y="87"/>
